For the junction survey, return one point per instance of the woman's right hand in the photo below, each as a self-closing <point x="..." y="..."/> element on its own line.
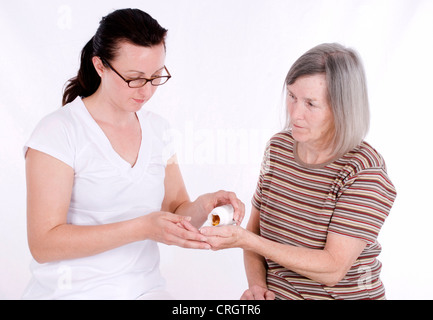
<point x="258" y="293"/>
<point x="173" y="229"/>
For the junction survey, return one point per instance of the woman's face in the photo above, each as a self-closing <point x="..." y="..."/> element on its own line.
<point x="311" y="117"/>
<point x="132" y="62"/>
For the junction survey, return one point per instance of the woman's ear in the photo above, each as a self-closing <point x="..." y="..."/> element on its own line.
<point x="99" y="66"/>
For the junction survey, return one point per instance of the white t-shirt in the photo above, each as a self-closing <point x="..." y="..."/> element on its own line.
<point x="106" y="189"/>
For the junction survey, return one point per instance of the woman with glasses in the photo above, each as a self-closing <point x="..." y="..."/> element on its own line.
<point x="102" y="177"/>
<point x="323" y="193"/>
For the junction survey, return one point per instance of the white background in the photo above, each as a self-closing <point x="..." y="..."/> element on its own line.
<point x="228" y="59"/>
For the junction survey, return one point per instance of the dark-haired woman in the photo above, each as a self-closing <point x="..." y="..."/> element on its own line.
<point x="102" y="178"/>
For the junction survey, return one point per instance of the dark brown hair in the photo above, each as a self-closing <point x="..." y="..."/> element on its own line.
<point x="131" y="25"/>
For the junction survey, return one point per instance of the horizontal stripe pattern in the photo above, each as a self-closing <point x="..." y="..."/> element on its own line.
<point x="300" y="204"/>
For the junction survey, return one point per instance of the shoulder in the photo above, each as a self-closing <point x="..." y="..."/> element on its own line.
<point x="282" y="139"/>
<point x="53" y="126"/>
<point x="62" y="118"/>
<point x="365" y="157"/>
<point x="59" y="126"/>
<point x="55" y="135"/>
<point x="366" y="167"/>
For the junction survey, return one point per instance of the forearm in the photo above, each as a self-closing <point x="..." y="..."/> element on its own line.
<point x="315" y="264"/>
<point x="255" y="264"/>
<point x="67" y="241"/>
<point x="255" y="269"/>
<point x="176" y="198"/>
<point x="196" y="210"/>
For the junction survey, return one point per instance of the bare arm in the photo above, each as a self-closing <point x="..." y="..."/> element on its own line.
<point x="327" y="266"/>
<point x="255" y="266"/>
<point x="51" y="238"/>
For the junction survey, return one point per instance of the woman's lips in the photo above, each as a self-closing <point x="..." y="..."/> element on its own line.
<point x="139" y="100"/>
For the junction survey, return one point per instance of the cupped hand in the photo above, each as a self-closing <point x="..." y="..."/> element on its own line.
<point x="173" y="229"/>
<point x="224" y="237"/>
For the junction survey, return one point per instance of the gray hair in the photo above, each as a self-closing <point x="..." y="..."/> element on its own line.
<point x="347" y="91"/>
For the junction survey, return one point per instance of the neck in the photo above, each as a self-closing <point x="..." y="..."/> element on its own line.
<point x="106" y="111"/>
<point x="313" y="154"/>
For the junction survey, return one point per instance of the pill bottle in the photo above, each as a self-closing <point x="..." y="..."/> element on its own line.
<point x="221" y="216"/>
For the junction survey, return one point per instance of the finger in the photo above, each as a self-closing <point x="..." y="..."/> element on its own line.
<point x="181" y="221"/>
<point x="197" y="245"/>
<point x="225" y="197"/>
<point x="186" y="231"/>
<point x="234" y="201"/>
<point x="238" y="206"/>
<point x="247" y="295"/>
<point x="269" y="295"/>
<point x="239" y="215"/>
<point x="189" y="235"/>
<point x="257" y="293"/>
<point x="191" y="244"/>
<point x="188" y="226"/>
<point x="176" y="217"/>
<point x="176" y="234"/>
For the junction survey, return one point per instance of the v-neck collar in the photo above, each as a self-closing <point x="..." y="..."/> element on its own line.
<point x="104" y="143"/>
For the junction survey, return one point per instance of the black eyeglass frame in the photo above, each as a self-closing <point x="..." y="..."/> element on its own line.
<point x="161" y="78"/>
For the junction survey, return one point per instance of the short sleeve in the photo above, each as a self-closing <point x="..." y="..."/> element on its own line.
<point x="364" y="205"/>
<point x="53" y="136"/>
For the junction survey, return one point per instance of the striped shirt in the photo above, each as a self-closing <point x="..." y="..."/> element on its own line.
<point x="300" y="204"/>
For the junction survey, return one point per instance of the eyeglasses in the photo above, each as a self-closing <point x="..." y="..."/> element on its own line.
<point x="141" y="82"/>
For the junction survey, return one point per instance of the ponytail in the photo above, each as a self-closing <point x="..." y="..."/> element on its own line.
<point x="87" y="80"/>
<point x="131" y="25"/>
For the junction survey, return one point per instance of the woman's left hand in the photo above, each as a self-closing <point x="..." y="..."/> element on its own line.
<point x="224" y="237"/>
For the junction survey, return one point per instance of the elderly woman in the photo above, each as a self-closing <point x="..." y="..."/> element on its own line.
<point x="323" y="193"/>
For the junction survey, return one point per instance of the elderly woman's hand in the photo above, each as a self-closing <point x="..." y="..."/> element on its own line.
<point x="258" y="293"/>
<point x="224" y="237"/>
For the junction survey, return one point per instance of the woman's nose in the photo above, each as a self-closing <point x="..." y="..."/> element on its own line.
<point x="295" y="110"/>
<point x="147" y="90"/>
